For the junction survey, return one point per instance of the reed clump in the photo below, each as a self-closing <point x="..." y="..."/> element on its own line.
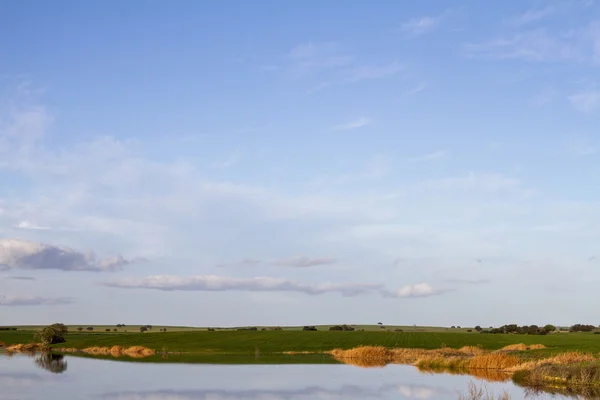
<point x="536" y="347"/>
<point x="26" y="348"/>
<point x="497" y="361"/>
<point x="515" y="347"/>
<point x="475" y="392"/>
<point x="118" y="351"/>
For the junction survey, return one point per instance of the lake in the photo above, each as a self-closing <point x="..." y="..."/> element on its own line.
<point x="24" y="377"/>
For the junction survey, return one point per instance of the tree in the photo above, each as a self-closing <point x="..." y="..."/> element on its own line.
<point x="549" y="328"/>
<point x="478" y="328"/>
<point x="54" y="363"/>
<point x="80" y="329"/>
<point x="61" y="328"/>
<point x="143" y="329"/>
<point x="50" y="335"/>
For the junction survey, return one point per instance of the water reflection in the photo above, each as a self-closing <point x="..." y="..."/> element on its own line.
<point x="54" y="363"/>
<point x="313" y="392"/>
<point x="25" y="378"/>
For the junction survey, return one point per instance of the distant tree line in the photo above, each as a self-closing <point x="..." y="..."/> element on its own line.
<point x="525" y="329"/>
<point x="7" y="329"/>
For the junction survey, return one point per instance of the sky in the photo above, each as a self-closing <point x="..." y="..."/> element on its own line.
<point x="227" y="163"/>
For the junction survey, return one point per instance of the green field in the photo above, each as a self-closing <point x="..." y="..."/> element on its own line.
<point x="136" y="328"/>
<point x="270" y="342"/>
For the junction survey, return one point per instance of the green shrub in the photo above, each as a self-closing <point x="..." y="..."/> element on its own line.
<point x="50" y="335"/>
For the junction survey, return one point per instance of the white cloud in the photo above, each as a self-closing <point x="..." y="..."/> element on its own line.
<point x="418" y="290"/>
<point x="29" y="225"/>
<point x="14" y="301"/>
<point x="468" y="281"/>
<point x="20" y="254"/>
<point x="303" y="261"/>
<point x="224" y="283"/>
<point x="360" y="73"/>
<point x="351" y="125"/>
<point x="489" y="182"/>
<point x="21" y="278"/>
<point x="586" y="102"/>
<point x="533" y="15"/>
<point x="435" y="155"/>
<point x="420" y="26"/>
<point x="581" y="44"/>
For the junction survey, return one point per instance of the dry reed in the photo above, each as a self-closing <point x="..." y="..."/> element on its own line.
<point x="536" y="347"/>
<point x="26" y="348"/>
<point x="515" y="347"/>
<point x="481" y="393"/>
<point x="118" y="351"/>
<point x="498" y="361"/>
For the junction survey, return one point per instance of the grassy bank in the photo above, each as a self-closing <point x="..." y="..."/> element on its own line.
<point x="246" y="342"/>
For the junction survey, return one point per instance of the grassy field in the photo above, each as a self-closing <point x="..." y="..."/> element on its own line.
<point x="247" y="342"/>
<point x="136" y="328"/>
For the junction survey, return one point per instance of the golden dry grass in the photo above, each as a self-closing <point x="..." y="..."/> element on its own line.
<point x="118" y="351"/>
<point x="364" y="353"/>
<point x="26" y="348"/>
<point x="497" y="361"/>
<point x="536" y="347"/>
<point x="515" y="347"/>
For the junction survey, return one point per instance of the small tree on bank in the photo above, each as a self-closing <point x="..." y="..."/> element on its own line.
<point x="51" y="334"/>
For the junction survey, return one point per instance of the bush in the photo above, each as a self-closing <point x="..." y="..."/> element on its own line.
<point x="398" y="330"/>
<point x="50" y="335"/>
<point x="309" y="328"/>
<point x="61" y="328"/>
<point x="143" y="329"/>
<point x="107" y="330"/>
<point x="469" y="330"/>
<point x="582" y="328"/>
<point x="211" y="329"/>
<point x="250" y="328"/>
<point x="115" y="330"/>
<point x="90" y="328"/>
<point x="80" y="329"/>
<point x="344" y="328"/>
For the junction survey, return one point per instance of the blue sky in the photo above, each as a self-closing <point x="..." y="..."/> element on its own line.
<point x="234" y="163"/>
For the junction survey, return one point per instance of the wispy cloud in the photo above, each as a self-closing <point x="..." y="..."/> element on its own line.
<point x="19" y="254"/>
<point x="303" y="261"/>
<point x="420" y="26"/>
<point x="14" y="301"/>
<point x="361" y="73"/>
<point x="354" y="124"/>
<point x="435" y="155"/>
<point x="224" y="283"/>
<point x="488" y="182"/>
<point x="581" y="44"/>
<point x="423" y="289"/>
<point x="310" y="58"/>
<point x="245" y="261"/>
<point x="533" y="15"/>
<point x="30" y="226"/>
<point x="468" y="281"/>
<point x="268" y="284"/>
<point x="586" y="102"/>
<point x="21" y="278"/>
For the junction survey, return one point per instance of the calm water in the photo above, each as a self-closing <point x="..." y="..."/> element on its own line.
<point x="31" y="378"/>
